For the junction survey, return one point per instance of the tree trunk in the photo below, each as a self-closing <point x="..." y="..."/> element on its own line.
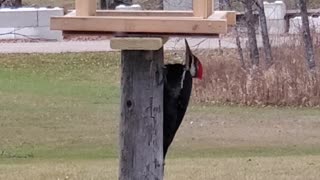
<point x="309" y="52"/>
<point x="240" y="51"/>
<point x="141" y="126"/>
<point x="11" y="3"/>
<point x="250" y="22"/>
<point x="238" y="41"/>
<point x="264" y="33"/>
<point x="103" y="4"/>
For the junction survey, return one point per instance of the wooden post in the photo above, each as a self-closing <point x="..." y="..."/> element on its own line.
<point x="86" y="7"/>
<point x="141" y="126"/>
<point x="202" y="8"/>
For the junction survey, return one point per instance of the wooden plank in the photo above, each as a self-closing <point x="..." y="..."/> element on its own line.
<point x="85" y="35"/>
<point x="86" y="7"/>
<point x="137" y="43"/>
<point x="141" y="124"/>
<point x="144" y="13"/>
<point x="230" y="16"/>
<point x="165" y="25"/>
<point x="202" y="8"/>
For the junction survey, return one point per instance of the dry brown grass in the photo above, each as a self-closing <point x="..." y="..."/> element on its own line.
<point x="287" y="82"/>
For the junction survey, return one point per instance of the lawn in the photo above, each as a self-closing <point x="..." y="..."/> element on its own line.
<point x="59" y="117"/>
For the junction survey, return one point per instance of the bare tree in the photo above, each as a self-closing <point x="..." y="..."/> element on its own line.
<point x="264" y="32"/>
<point x="236" y="30"/>
<point x="250" y="22"/>
<point x="309" y="51"/>
<point x="103" y="4"/>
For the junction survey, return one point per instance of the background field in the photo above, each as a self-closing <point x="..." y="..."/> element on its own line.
<point x="59" y="120"/>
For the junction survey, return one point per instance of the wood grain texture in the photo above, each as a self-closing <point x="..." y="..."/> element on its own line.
<point x="141" y="126"/>
<point x="86" y="7"/>
<point x="230" y="16"/>
<point x="202" y="8"/>
<point x="137" y="43"/>
<point x="165" y="25"/>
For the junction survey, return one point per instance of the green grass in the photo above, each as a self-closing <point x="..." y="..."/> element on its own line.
<point x="58" y="106"/>
<point x="59" y="117"/>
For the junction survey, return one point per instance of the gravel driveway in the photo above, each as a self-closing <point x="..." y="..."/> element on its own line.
<point x="104" y="45"/>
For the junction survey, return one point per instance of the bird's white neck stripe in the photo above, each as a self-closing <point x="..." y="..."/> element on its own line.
<point x="182" y="78"/>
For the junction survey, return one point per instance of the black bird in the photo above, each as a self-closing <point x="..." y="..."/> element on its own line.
<point x="177" y="91"/>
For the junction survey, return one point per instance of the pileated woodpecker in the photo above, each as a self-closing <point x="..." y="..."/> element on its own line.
<point x="177" y="91"/>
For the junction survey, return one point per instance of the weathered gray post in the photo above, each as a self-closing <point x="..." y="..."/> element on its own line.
<point x="141" y="126"/>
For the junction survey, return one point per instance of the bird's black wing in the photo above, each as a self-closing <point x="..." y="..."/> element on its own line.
<point x="169" y="119"/>
<point x="183" y="100"/>
<point x="175" y="110"/>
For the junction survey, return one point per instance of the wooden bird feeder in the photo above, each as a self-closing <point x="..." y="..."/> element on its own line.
<point x="141" y="36"/>
<point x="202" y="21"/>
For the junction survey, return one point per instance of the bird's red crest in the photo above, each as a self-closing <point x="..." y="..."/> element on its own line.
<point x="199" y="70"/>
